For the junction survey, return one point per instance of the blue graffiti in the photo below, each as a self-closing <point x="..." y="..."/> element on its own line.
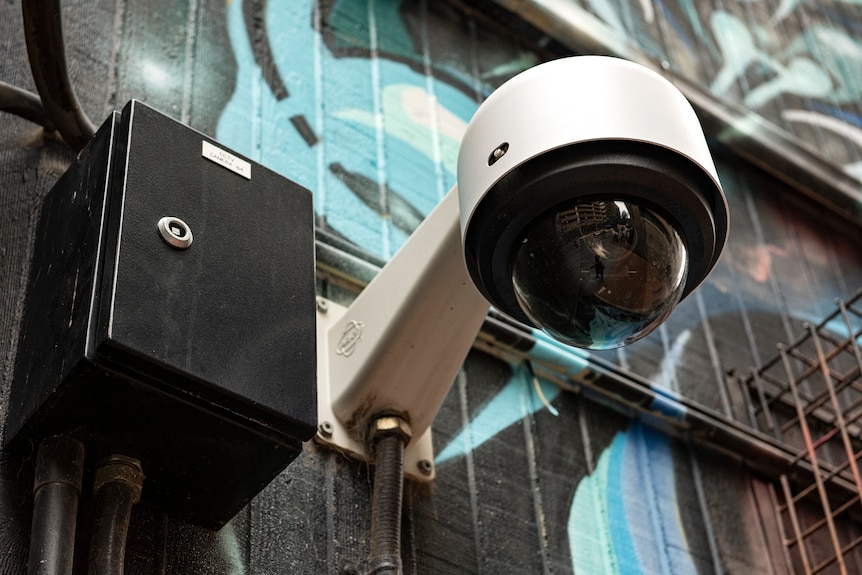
<point x="838" y="55"/>
<point x="514" y="402"/>
<point x="757" y="66"/>
<point x="624" y="517"/>
<point x="375" y="121"/>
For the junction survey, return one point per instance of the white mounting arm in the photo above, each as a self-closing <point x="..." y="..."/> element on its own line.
<point x="400" y="344"/>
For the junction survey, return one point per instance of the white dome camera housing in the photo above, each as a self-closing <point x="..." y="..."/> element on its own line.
<point x="589" y="201"/>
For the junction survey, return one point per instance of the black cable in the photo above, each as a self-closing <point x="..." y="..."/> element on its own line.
<point x="56" y="491"/>
<point x="117" y="487"/>
<point x="43" y="32"/>
<point x="27" y="105"/>
<point x="386" y="501"/>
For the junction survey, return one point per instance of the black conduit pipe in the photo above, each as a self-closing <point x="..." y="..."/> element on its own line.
<point x="43" y="32"/>
<point x="116" y="487"/>
<point x="56" y="491"/>
<point x="27" y="105"/>
<point x="389" y="435"/>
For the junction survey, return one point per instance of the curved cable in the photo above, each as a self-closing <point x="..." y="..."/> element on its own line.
<point x="117" y="488"/>
<point x="43" y="32"/>
<point x="27" y="105"/>
<point x="56" y="491"/>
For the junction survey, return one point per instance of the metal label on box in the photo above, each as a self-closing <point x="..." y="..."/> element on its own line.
<point x="226" y="159"/>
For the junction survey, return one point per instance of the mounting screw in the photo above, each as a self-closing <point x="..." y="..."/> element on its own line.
<point x="322" y="305"/>
<point x="325" y="429"/>
<point x="425" y="467"/>
<point x="175" y="232"/>
<point x="498" y="153"/>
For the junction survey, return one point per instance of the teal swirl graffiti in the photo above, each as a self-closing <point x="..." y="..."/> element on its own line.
<point x="376" y="141"/>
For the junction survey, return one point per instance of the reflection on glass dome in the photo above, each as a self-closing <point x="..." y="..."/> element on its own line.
<point x="599" y="274"/>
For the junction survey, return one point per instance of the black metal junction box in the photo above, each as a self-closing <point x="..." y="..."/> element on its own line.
<point x="170" y="316"/>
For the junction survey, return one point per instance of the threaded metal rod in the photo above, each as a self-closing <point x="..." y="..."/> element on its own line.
<point x="386" y="504"/>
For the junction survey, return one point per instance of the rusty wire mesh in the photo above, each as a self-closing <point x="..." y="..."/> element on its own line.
<point x="809" y="398"/>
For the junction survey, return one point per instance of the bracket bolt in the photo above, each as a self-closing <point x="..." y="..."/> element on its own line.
<point x="325" y="429"/>
<point x="322" y="305"/>
<point x="425" y="467"/>
<point x="390" y="425"/>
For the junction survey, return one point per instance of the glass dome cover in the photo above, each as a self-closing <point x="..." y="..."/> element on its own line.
<point x="600" y="273"/>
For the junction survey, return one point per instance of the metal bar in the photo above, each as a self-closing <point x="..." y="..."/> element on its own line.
<point x="779" y="520"/>
<point x="819" y="443"/>
<point x="844" y="550"/>
<point x="833" y="472"/>
<point x="853" y="413"/>
<point x="852" y="335"/>
<point x="794" y="523"/>
<point x="779" y="395"/>
<point x="814" y="406"/>
<point x="839" y="418"/>
<point x="801" y="339"/>
<point x="813" y="365"/>
<point x="782" y="387"/>
<point x="853" y="417"/>
<point x="811" y="529"/>
<point x="767" y="413"/>
<point x="824" y="564"/>
<point x="812" y="454"/>
<point x="750" y="409"/>
<point x="852" y="545"/>
<point x="823" y="323"/>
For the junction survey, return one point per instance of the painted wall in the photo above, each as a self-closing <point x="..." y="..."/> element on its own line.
<point x="797" y="63"/>
<point x="364" y="102"/>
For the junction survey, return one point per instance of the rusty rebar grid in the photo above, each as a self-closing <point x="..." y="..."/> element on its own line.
<point x="809" y="398"/>
<point x="766" y="391"/>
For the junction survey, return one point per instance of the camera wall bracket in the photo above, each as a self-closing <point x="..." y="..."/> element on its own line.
<point x="419" y="453"/>
<point x="398" y="347"/>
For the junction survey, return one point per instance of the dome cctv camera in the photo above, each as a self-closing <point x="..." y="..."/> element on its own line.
<point x="589" y="202"/>
<point x="589" y="206"/>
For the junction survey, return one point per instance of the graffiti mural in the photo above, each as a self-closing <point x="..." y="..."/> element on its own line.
<point x="341" y="98"/>
<point x="364" y="102"/>
<point x="345" y="98"/>
<point x="375" y="133"/>
<point x="797" y="63"/>
<point x="368" y="134"/>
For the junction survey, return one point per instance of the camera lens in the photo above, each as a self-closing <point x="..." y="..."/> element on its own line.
<point x="599" y="274"/>
<point x="597" y="242"/>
